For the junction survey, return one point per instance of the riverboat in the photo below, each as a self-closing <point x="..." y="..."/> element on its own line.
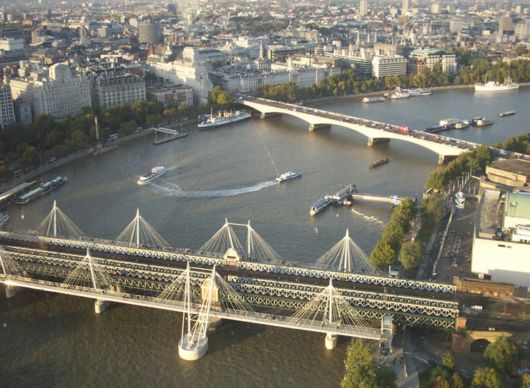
<point x="379" y="162"/>
<point x="287" y="176"/>
<point x="153" y="174"/>
<point x="223" y="118"/>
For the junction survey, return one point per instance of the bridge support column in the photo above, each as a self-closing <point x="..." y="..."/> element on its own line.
<point x="191" y="350"/>
<point x="330" y="341"/>
<point x="264" y="115"/>
<point x="11" y="291"/>
<point x="445" y="158"/>
<point x="100" y="306"/>
<point x="377" y="140"/>
<point x="314" y="127"/>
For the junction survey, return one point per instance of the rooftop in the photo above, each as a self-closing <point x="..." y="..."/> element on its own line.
<point x="517" y="166"/>
<point x="518" y="205"/>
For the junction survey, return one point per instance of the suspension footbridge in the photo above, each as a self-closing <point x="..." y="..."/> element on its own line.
<point x="235" y="275"/>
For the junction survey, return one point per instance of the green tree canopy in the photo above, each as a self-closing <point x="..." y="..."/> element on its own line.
<point x="362" y="370"/>
<point x="486" y="377"/>
<point x="502" y="353"/>
<point x="411" y="256"/>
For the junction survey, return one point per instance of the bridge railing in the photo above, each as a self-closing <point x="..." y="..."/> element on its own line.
<point x="174" y="255"/>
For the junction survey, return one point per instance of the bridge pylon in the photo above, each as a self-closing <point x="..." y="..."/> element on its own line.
<point x="332" y="311"/>
<point x="194" y="344"/>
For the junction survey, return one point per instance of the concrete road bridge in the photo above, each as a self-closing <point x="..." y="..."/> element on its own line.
<point x="377" y="132"/>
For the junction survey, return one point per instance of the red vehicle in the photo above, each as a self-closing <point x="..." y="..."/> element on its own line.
<point x="404" y="130"/>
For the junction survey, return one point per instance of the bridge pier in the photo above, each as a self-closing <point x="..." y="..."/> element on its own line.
<point x="191" y="350"/>
<point x="264" y="115"/>
<point x="330" y="341"/>
<point x="377" y="140"/>
<point x="445" y="158"/>
<point x="314" y="127"/>
<point x="100" y="306"/>
<point x="11" y="291"/>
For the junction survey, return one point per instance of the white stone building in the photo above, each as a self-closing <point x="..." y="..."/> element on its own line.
<point x="59" y="94"/>
<point x="389" y="66"/>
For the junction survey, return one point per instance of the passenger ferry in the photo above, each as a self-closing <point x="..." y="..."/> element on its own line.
<point x="318" y="206"/>
<point x="418" y="92"/>
<point x="398" y="94"/>
<point x="287" y="176"/>
<point x="222" y="118"/>
<point x="496" y="87"/>
<point x="153" y="174"/>
<point x="43" y="189"/>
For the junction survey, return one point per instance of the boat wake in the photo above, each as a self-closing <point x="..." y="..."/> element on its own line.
<point x="171" y="189"/>
<point x="367" y="217"/>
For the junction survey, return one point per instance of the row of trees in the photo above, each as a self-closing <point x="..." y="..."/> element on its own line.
<point x="30" y="145"/>
<point x="516" y="144"/>
<point x="387" y="249"/>
<point x="474" y="161"/>
<point x="500" y="358"/>
<point x="46" y="137"/>
<point x="348" y="82"/>
<point x="362" y="369"/>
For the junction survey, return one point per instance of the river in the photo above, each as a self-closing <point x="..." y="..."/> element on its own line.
<point x="224" y="172"/>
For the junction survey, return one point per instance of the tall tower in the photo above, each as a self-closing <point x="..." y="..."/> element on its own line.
<point x="405" y="7"/>
<point x="363" y="7"/>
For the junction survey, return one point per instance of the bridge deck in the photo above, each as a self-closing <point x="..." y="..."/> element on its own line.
<point x="234" y="315"/>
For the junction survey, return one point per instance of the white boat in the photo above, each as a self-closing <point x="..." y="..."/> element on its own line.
<point x="492" y="86"/>
<point x="153" y="174"/>
<point x="370" y="100"/>
<point x="418" y="92"/>
<point x="462" y="124"/>
<point x="3" y="219"/>
<point x="398" y="93"/>
<point x="483" y="122"/>
<point x="222" y="118"/>
<point x="449" y="121"/>
<point x="287" y="176"/>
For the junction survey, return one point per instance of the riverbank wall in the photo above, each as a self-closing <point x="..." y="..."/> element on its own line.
<point x="381" y="92"/>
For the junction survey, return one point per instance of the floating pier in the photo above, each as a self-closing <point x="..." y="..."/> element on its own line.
<point x="172" y="134"/>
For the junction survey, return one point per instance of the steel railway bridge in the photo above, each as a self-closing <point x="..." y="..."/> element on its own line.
<point x="205" y="286"/>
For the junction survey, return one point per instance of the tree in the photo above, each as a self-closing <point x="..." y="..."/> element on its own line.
<point x="502" y="353"/>
<point x="486" y="377"/>
<point x="411" y="256"/>
<point x="383" y="255"/>
<point x="521" y="50"/>
<point x="362" y="370"/>
<point x="457" y="381"/>
<point x="448" y="361"/>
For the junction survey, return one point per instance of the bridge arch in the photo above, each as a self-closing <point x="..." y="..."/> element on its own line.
<point x="375" y="131"/>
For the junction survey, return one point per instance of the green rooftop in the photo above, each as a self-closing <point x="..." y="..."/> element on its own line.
<point x="517" y="205"/>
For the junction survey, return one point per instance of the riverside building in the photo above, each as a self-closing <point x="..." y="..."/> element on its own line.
<point x="58" y="93"/>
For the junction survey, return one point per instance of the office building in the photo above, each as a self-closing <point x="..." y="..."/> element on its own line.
<point x="429" y="58"/>
<point x="389" y="66"/>
<point x="363" y="7"/>
<point x="149" y="33"/>
<point x="115" y="89"/>
<point x="58" y="93"/>
<point x="7" y="111"/>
